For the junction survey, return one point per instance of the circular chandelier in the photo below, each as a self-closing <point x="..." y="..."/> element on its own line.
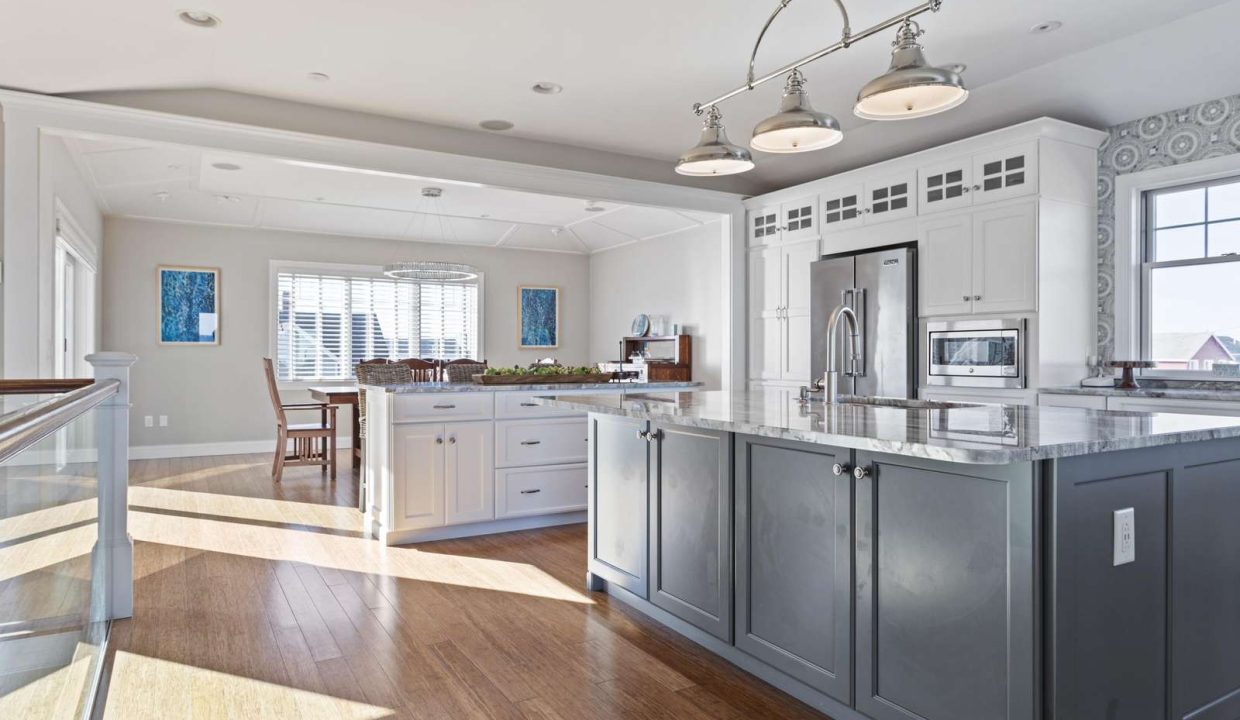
<point x="430" y="271"/>
<point x="910" y="88"/>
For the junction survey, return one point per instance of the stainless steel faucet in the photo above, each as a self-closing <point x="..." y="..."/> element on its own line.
<point x="831" y="393"/>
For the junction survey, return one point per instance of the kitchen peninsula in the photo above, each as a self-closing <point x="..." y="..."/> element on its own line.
<point x="445" y="460"/>
<point x="899" y="559"/>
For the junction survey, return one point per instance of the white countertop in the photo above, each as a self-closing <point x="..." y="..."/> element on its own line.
<point x="447" y="387"/>
<point x="1219" y="394"/>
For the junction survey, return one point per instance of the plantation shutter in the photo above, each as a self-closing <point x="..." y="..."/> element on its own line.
<point x="329" y="322"/>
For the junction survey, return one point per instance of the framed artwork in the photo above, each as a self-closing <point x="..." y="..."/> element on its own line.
<point x="189" y="305"/>
<point x="538" y="317"/>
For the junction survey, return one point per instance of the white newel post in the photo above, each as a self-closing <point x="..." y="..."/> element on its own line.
<point x="113" y="435"/>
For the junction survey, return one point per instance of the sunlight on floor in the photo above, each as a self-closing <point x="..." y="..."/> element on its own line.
<point x="46" y="551"/>
<point x="57" y="694"/>
<point x="46" y="519"/>
<point x="331" y="517"/>
<point x="347" y="553"/>
<point x="190" y="692"/>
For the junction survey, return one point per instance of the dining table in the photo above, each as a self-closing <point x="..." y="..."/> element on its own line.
<point x="342" y="395"/>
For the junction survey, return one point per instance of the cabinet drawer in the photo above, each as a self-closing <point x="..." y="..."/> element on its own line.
<point x="441" y="407"/>
<point x="540" y="442"/>
<point x="1089" y="402"/>
<point x="522" y="405"/>
<point x="541" y="490"/>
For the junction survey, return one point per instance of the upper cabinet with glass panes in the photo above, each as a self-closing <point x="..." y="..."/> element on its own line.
<point x="984" y="177"/>
<point x="1191" y="263"/>
<point x="787" y="222"/>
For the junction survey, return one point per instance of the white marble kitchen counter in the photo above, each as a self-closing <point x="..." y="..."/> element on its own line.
<point x="1219" y="394"/>
<point x="447" y="387"/>
<point x="978" y="434"/>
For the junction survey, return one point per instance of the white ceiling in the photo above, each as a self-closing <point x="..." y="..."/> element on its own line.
<point x="184" y="184"/>
<point x="633" y="70"/>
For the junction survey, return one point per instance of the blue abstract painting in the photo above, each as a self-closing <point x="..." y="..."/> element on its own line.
<point x="189" y="306"/>
<point x="540" y="317"/>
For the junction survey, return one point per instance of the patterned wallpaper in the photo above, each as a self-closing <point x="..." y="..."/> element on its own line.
<point x="1208" y="130"/>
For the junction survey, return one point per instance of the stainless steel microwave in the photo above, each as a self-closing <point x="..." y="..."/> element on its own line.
<point x="976" y="353"/>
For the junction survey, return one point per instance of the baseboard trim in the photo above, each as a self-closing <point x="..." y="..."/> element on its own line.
<point x="490" y="527"/>
<point x="240" y="447"/>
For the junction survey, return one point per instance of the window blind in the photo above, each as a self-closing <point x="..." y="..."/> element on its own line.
<point x="328" y="322"/>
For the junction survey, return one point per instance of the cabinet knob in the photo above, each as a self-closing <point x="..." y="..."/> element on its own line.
<point x="966" y="298"/>
<point x="964" y="189"/>
<point x="977" y="297"/>
<point x="977" y="187"/>
<point x="439" y="441"/>
<point x="452" y="440"/>
<point x="861" y="473"/>
<point x="643" y="435"/>
<point x="841" y="469"/>
<point x="654" y="435"/>
<point x="867" y="211"/>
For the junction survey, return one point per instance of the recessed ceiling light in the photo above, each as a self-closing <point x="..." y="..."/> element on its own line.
<point x="319" y="77"/>
<point x="198" y="18"/>
<point x="1049" y="26"/>
<point x="496" y="125"/>
<point x="547" y="88"/>
<point x="225" y="166"/>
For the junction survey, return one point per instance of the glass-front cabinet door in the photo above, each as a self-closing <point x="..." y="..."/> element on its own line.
<point x="945" y="186"/>
<point x="842" y="207"/>
<point x="1005" y="173"/>
<point x="891" y="197"/>
<point x="799" y="219"/>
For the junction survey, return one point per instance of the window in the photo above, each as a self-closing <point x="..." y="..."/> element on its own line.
<point x="1191" y="278"/>
<point x="326" y="322"/>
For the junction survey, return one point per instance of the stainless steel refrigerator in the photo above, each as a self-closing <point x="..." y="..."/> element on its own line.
<point x="880" y="286"/>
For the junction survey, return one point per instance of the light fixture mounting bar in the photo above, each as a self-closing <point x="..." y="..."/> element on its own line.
<point x="847" y="40"/>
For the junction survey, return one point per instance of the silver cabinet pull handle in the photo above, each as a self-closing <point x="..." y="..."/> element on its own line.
<point x="529" y="404"/>
<point x="531" y="442"/>
<point x="530" y="492"/>
<point x="444" y="407"/>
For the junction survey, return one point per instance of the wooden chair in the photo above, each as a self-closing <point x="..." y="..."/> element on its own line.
<point x="423" y="370"/>
<point x="379" y="372"/>
<point x="313" y="443"/>
<point x="463" y="370"/>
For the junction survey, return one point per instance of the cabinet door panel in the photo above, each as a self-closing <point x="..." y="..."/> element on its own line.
<point x="1005" y="259"/>
<point x="418" y="475"/>
<point x="796" y="260"/>
<point x="764" y="226"/>
<point x="469" y="472"/>
<point x="766" y="290"/>
<point x="765" y="348"/>
<point x="946" y="256"/>
<point x="945" y="590"/>
<point x="618" y="502"/>
<point x="690" y="526"/>
<point x="891" y="197"/>
<point x="1005" y="173"/>
<point x="795" y="349"/>
<point x="945" y="186"/>
<point x="842" y="208"/>
<point x="794" y="561"/>
<point x="800" y="219"/>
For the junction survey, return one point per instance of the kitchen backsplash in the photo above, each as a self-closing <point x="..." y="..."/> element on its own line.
<point x="1211" y="129"/>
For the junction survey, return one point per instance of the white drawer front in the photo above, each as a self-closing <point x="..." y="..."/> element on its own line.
<point x="441" y="407"/>
<point x="541" y="490"/>
<point x="522" y="405"/>
<point x="540" y="442"/>
<point x="1089" y="402"/>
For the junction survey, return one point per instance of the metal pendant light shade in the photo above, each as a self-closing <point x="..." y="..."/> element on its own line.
<point x="797" y="127"/>
<point x="911" y="87"/>
<point x="714" y="154"/>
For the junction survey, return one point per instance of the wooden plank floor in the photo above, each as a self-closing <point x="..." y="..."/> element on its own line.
<point x="256" y="600"/>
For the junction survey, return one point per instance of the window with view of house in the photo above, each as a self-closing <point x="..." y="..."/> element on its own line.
<point x="1191" y="278"/>
<point x="326" y="322"/>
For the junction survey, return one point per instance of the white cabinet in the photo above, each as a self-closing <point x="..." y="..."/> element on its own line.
<point x="945" y="185"/>
<point x="540" y="442"/>
<point x="989" y="176"/>
<point x="779" y="304"/>
<point x="792" y="221"/>
<point x="890" y="197"/>
<point x="1089" y="402"/>
<point x="764" y="226"/>
<point x="1175" y="405"/>
<point x="445" y="472"/>
<point x="842" y="207"/>
<point x="984" y="261"/>
<point x="541" y="490"/>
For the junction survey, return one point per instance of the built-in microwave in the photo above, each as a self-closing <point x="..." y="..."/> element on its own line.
<point x="976" y="353"/>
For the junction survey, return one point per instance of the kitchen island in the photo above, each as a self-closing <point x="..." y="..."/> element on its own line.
<point x="910" y="559"/>
<point x="446" y="460"/>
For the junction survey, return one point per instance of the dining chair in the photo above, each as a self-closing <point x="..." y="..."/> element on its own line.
<point x="463" y="370"/>
<point x="373" y="373"/>
<point x="423" y="370"/>
<point x="314" y="443"/>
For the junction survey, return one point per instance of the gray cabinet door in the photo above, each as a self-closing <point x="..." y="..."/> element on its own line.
<point x="619" y="501"/>
<point x="794" y="561"/>
<point x="945" y="590"/>
<point x="691" y="526"/>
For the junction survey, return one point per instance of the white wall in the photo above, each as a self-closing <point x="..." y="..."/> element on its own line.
<point x="676" y="275"/>
<point x="216" y="394"/>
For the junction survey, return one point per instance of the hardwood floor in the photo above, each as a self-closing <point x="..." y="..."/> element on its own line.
<point x="261" y="600"/>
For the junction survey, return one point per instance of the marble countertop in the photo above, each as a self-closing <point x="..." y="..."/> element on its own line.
<point x="977" y="434"/>
<point x="446" y="387"/>
<point x="1226" y="394"/>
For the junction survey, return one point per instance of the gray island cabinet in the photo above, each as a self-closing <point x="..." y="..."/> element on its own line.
<point x="930" y="561"/>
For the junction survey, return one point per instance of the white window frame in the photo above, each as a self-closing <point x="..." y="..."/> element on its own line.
<point x="1130" y="301"/>
<point x="275" y="267"/>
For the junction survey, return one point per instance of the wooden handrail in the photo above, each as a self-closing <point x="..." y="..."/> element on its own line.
<point x="40" y="386"/>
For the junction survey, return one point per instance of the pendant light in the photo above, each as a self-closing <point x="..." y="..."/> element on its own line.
<point x="428" y="270"/>
<point x="797" y="127"/>
<point x="714" y="155"/>
<point x="911" y="87"/>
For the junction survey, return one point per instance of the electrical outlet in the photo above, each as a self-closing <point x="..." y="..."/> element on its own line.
<point x="148" y="421"/>
<point x="1125" y="550"/>
<point x="163" y="421"/>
